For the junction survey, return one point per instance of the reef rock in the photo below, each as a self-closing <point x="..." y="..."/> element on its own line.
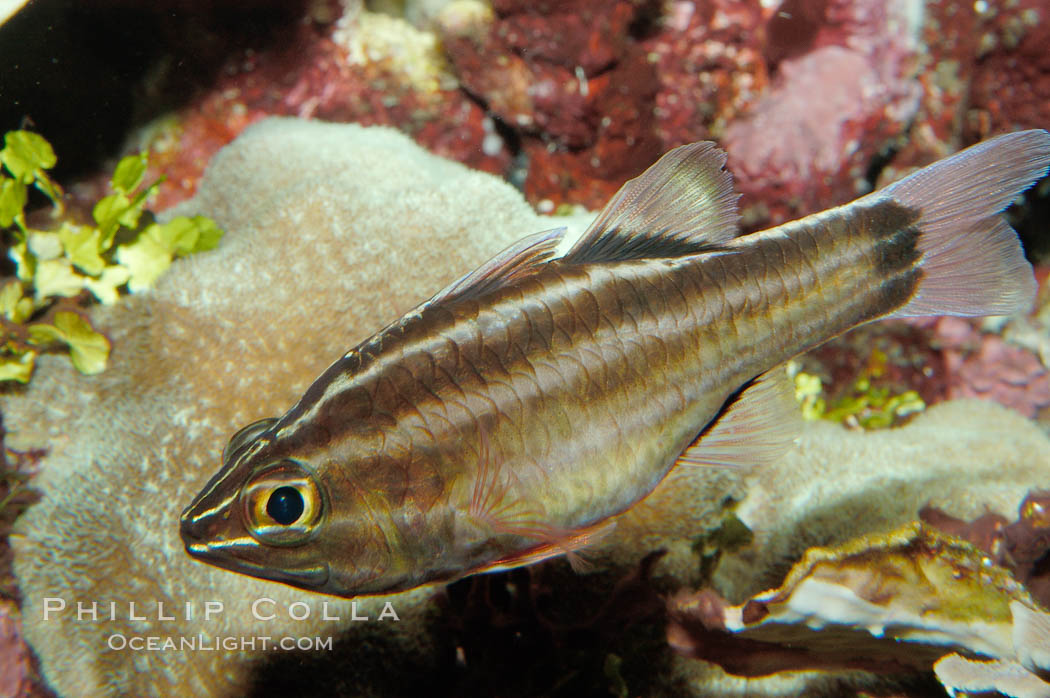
<point x="885" y="603"/>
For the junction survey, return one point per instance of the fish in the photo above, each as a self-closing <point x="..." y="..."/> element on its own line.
<point x="515" y="414"/>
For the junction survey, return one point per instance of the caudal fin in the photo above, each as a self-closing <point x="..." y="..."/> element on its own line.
<point x="972" y="261"/>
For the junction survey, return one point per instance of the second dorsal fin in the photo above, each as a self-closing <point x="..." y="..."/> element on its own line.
<point x="681" y="205"/>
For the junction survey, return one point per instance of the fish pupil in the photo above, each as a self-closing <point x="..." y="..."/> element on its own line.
<point x="285" y="505"/>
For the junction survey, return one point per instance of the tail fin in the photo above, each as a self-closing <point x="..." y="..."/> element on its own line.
<point x="971" y="258"/>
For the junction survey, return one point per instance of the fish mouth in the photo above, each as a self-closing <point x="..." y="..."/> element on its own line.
<point x="307" y="576"/>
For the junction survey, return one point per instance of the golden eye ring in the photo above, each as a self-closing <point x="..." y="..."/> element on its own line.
<point x="283" y="504"/>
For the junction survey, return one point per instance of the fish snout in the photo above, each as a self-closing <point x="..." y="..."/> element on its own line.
<point x="199" y="529"/>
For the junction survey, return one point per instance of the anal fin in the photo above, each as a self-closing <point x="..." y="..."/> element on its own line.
<point x="758" y="426"/>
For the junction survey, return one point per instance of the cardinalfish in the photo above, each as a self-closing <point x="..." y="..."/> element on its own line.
<point x="514" y="415"/>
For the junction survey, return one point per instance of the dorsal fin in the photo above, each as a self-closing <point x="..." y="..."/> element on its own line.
<point x="518" y="260"/>
<point x="682" y="205"/>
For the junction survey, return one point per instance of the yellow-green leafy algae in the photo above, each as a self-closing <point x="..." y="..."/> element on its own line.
<point x="334" y="231"/>
<point x="122" y="246"/>
<point x="866" y="405"/>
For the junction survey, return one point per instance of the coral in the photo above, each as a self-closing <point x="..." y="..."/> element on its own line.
<point x="889" y="603"/>
<point x="1023" y="547"/>
<point x="325" y="198"/>
<point x="411" y="56"/>
<point x="966" y="457"/>
<point x="569" y="99"/>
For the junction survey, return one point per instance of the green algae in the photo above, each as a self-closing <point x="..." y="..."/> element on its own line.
<point x="866" y="404"/>
<point x="59" y="269"/>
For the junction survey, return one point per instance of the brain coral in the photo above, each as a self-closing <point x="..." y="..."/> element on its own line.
<point x="333" y="231"/>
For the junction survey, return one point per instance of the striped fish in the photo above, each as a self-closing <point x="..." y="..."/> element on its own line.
<point x="513" y="415"/>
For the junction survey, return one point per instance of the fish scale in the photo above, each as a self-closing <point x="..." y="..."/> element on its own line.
<point x="516" y="413"/>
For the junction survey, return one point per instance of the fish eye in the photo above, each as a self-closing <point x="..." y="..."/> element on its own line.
<point x="283" y="504"/>
<point x="246" y="434"/>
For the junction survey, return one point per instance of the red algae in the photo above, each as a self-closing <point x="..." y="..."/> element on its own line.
<point x="14" y="655"/>
<point x="312" y="76"/>
<point x="572" y="82"/>
<point x="815" y="101"/>
<point x="1011" y="82"/>
<point x="860" y="70"/>
<point x="710" y="61"/>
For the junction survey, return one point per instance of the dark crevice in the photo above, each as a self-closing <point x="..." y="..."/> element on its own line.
<point x="646" y="21"/>
<point x="880" y="161"/>
<point x="84" y="75"/>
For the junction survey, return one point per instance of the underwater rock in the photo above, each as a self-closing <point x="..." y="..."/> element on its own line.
<point x="14" y="656"/>
<point x="999" y="371"/>
<point x="982" y="68"/>
<point x="983" y="364"/>
<point x="1011" y="82"/>
<point x="966" y="457"/>
<point x="1023" y="546"/>
<point x="888" y="603"/>
<point x="342" y="63"/>
<point x="709" y="58"/>
<point x="570" y="79"/>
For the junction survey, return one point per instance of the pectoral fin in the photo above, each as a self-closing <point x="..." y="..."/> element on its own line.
<point x="492" y="506"/>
